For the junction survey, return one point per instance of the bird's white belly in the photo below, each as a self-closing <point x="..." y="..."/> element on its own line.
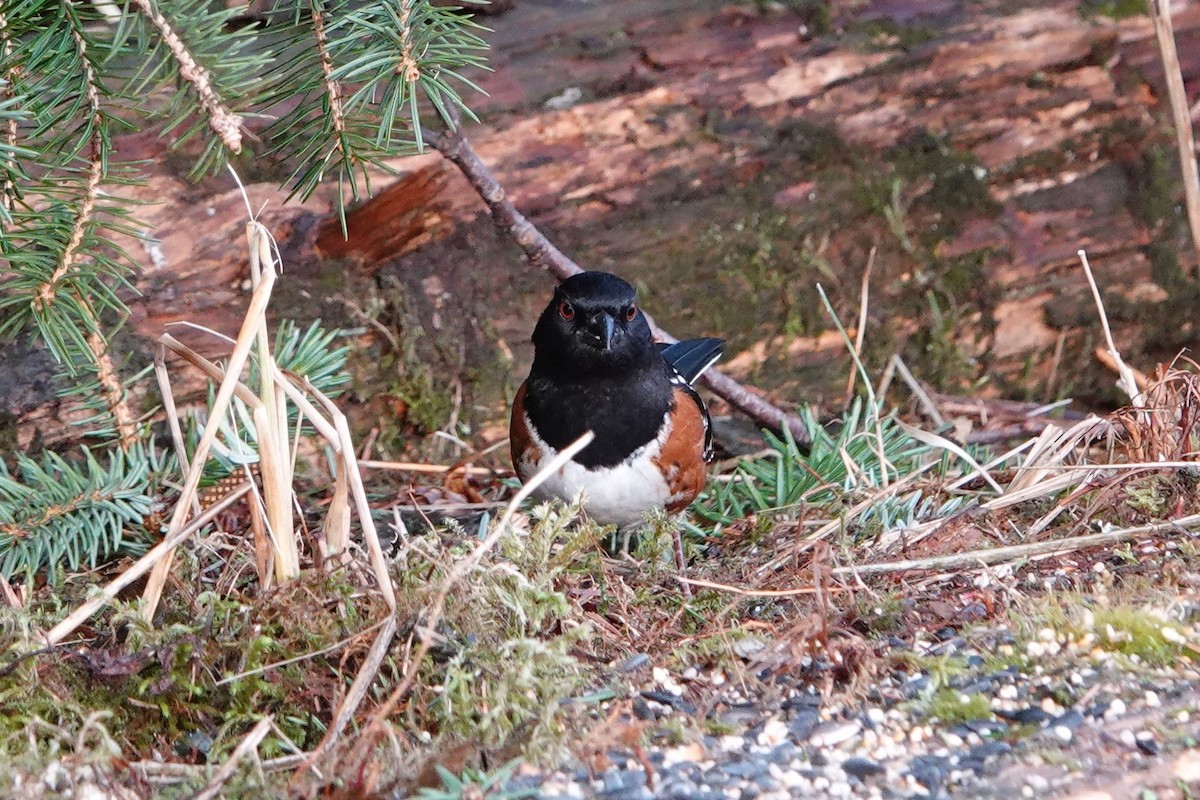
<point x="620" y="495"/>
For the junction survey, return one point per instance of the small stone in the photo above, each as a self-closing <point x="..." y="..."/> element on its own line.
<point x="664" y="679"/>
<point x="990" y="749"/>
<point x="1071" y="720"/>
<point x="929" y="771"/>
<point x="1007" y="692"/>
<point x="731" y="744"/>
<point x="1062" y="732"/>
<point x="1037" y="783"/>
<point x="1146" y="743"/>
<point x="862" y="768"/>
<point x="803" y="724"/>
<point x="634" y="662"/>
<point x="773" y="733"/>
<point x="1115" y="709"/>
<point x="1152" y="700"/>
<point x="833" y="734"/>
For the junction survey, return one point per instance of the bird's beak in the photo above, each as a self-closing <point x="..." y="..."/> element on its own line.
<point x="601" y="328"/>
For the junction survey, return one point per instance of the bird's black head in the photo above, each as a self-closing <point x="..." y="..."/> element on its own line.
<point x="593" y="324"/>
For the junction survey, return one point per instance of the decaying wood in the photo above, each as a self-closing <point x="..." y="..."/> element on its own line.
<point x="1043" y="98"/>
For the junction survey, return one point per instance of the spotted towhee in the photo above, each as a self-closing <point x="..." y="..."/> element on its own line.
<point x="596" y="367"/>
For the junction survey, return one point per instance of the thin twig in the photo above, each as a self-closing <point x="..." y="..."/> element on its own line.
<point x="1127" y="380"/>
<point x="227" y="125"/>
<point x="433" y="615"/>
<point x="360" y="687"/>
<point x="724" y="587"/>
<point x="542" y="253"/>
<point x="864" y="298"/>
<point x="1034" y="550"/>
<point x="246" y="745"/>
<point x="434" y="469"/>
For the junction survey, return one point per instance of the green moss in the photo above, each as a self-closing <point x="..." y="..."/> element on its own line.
<point x="1148" y="495"/>
<point x="956" y="185"/>
<point x="1136" y="632"/>
<point x="880" y="616"/>
<point x="1114" y="9"/>
<point x="952" y="707"/>
<point x="888" y="34"/>
<point x="814" y="144"/>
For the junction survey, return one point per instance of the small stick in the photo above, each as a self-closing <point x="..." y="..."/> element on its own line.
<point x="1164" y="31"/>
<point x="247" y="744"/>
<point x="723" y="587"/>
<point x="433" y="469"/>
<point x="1018" y="551"/>
<point x="1127" y="381"/>
<point x="864" y="296"/>
<point x="427" y="630"/>
<point x="362" y="684"/>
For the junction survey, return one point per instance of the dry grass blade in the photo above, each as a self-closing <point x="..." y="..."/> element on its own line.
<point x="933" y="440"/>
<point x="1127" y="380"/>
<point x="349" y="463"/>
<point x="271" y="422"/>
<point x="360" y="687"/>
<point x="435" y="610"/>
<point x="140" y="567"/>
<point x="249" y="743"/>
<point x="1033" y="550"/>
<point x="255" y="317"/>
<point x="1051" y="449"/>
<point x="432" y="469"/>
<point x="1164" y="32"/>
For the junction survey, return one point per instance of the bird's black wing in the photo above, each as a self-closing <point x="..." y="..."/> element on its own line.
<point x="691" y="357"/>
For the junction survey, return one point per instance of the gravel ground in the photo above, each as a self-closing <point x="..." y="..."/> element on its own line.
<point x="1073" y="721"/>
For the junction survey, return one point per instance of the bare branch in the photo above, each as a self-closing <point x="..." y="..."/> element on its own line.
<point x="542" y="253"/>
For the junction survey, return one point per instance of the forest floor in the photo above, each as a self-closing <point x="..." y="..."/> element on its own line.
<point x="880" y="617"/>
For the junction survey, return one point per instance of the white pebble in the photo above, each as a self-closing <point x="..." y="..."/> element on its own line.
<point x="1037" y="782"/>
<point x="1172" y="635"/>
<point x="836" y="735"/>
<point x="1115" y="709"/>
<point x="1152" y="700"/>
<point x="774" y="733"/>
<point x="731" y="744"/>
<point x="1008" y="692"/>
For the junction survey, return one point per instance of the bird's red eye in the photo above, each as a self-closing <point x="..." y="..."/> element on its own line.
<point x="630" y="313"/>
<point x="566" y="310"/>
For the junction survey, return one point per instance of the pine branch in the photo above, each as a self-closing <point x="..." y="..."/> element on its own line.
<point x="56" y="513"/>
<point x="227" y="125"/>
<point x="9" y="155"/>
